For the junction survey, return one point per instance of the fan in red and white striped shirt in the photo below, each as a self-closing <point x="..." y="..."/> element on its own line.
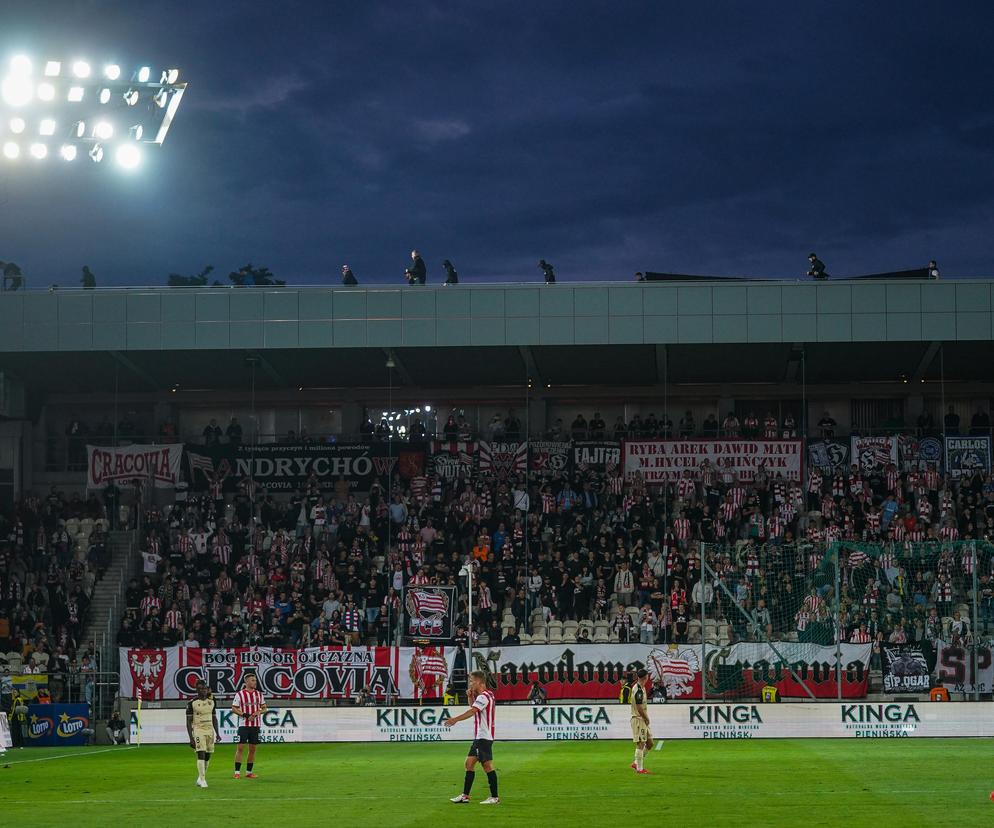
<point x="249" y="705"/>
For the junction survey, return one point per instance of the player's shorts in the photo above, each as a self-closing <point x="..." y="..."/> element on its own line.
<point x="482" y="749"/>
<point x="248" y="735"/>
<point x="203" y="741"/>
<point x="640" y="730"/>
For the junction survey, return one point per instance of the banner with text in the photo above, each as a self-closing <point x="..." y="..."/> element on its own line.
<point x="503" y="461"/>
<point x="829" y="456"/>
<point x="430" y="613"/>
<point x="663" y="461"/>
<point x="918" y="453"/>
<point x="598" y="456"/>
<point x="58" y="725"/>
<point x="965" y="456"/>
<point x="955" y="668"/>
<point x="549" y="458"/>
<point x="872" y="454"/>
<point x="288" y="468"/>
<point x="453" y="459"/>
<point x="905" y="669"/>
<point x="122" y="465"/>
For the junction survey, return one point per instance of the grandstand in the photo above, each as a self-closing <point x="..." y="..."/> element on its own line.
<point x="688" y="483"/>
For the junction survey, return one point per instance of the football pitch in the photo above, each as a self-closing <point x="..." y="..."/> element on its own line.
<point x="883" y="782"/>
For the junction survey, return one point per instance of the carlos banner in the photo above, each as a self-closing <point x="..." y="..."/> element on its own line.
<point x="566" y="671"/>
<point x="122" y="465"/>
<point x="663" y="461"/>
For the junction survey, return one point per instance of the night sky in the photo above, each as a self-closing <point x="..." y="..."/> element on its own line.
<point x="705" y="137"/>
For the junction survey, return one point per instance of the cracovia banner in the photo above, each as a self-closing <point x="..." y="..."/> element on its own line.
<point x="664" y="461"/>
<point x="152" y="465"/>
<point x="288" y="468"/>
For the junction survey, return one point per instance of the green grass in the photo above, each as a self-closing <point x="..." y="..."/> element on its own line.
<point x="906" y="782"/>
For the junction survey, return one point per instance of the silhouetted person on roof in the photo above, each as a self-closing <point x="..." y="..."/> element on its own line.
<point x="348" y="277"/>
<point x="451" y="277"/>
<point x="417" y="273"/>
<point x="550" y="276"/>
<point x="817" y="267"/>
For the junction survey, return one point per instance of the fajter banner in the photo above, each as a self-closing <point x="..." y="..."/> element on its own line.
<point x="664" y="461"/>
<point x="155" y="465"/>
<point x="288" y="468"/>
<point x="283" y="673"/>
<point x="429" y="613"/>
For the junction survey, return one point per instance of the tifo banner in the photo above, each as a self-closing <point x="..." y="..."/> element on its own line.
<point x="918" y="453"/>
<point x="595" y="721"/>
<point x="828" y="456"/>
<point x="600" y="456"/>
<point x="311" y="673"/>
<point x="430" y="612"/>
<point x="503" y="460"/>
<point x="58" y="725"/>
<point x="954" y="667"/>
<point x="451" y="460"/>
<point x="905" y="669"/>
<point x="159" y="465"/>
<point x="662" y="461"/>
<point x="965" y="456"/>
<point x="30" y="686"/>
<point x="288" y="468"/>
<point x="549" y="458"/>
<point x="872" y="454"/>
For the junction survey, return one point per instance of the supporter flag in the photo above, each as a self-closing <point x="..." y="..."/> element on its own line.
<point x="201" y="462"/>
<point x="429" y="612"/>
<point x="503" y="460"/>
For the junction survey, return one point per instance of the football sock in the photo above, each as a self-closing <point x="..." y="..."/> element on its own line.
<point x="201" y="768"/>
<point x="467" y="785"/>
<point x="238" y="766"/>
<point x="638" y="758"/>
<point x="248" y="766"/>
<point x="492" y="779"/>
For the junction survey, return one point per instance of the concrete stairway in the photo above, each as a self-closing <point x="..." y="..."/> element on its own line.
<point x="108" y="594"/>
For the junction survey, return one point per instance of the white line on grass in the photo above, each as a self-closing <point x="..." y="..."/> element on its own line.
<point x="66" y="755"/>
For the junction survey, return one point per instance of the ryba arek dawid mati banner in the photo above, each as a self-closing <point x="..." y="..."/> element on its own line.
<point x="664" y="461"/>
<point x="122" y="465"/>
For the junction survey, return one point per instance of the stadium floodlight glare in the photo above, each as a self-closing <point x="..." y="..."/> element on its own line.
<point x="76" y="94"/>
<point x="17" y="90"/>
<point x="17" y="125"/>
<point x="144" y="74"/>
<point x="136" y="132"/>
<point x="53" y="69"/>
<point x="20" y="65"/>
<point x="103" y="130"/>
<point x="47" y="126"/>
<point x="131" y="97"/>
<point x="11" y="150"/>
<point x="39" y="151"/>
<point x="46" y="92"/>
<point x="170" y="76"/>
<point x="97" y="154"/>
<point x="80" y="128"/>
<point x="129" y="156"/>
<point x="68" y="152"/>
<point x="112" y="71"/>
<point x="81" y="69"/>
<point x="104" y="95"/>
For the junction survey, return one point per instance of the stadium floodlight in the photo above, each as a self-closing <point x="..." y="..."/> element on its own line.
<point x="128" y="156"/>
<point x="17" y="125"/>
<point x="68" y="152"/>
<point x="20" y="65"/>
<point x="47" y="126"/>
<point x="136" y="132"/>
<point x="81" y="69"/>
<point x="112" y="71"/>
<point x="161" y="97"/>
<point x="53" y="69"/>
<point x="103" y="130"/>
<point x="97" y="154"/>
<point x="39" y="151"/>
<point x="170" y="76"/>
<point x="76" y="94"/>
<point x="17" y="90"/>
<point x="80" y="128"/>
<point x="144" y="74"/>
<point x="46" y="92"/>
<point x="11" y="150"/>
<point x="104" y="95"/>
<point x="131" y="97"/>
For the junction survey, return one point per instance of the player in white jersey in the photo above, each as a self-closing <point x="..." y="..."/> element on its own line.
<point x="482" y="708"/>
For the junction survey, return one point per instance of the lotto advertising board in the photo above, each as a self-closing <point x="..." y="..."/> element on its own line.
<point x="596" y="721"/>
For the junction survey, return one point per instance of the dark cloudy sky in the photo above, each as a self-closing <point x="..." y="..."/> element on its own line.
<point x="704" y="137"/>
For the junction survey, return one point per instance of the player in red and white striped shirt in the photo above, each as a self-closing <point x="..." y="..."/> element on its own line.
<point x="249" y="705"/>
<point x="482" y="708"/>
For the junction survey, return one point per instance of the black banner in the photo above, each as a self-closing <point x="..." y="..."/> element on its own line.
<point x="828" y="456"/>
<point x="453" y="459"/>
<point x="905" y="669"/>
<point x="549" y="458"/>
<point x="287" y="468"/>
<point x="429" y="613"/>
<point x="599" y="456"/>
<point x="918" y="453"/>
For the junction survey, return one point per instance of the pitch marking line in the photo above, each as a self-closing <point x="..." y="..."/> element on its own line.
<point x="67" y="755"/>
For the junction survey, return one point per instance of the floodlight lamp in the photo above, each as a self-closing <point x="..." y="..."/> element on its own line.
<point x="53" y="68"/>
<point x="17" y="125"/>
<point x="75" y="94"/>
<point x="112" y="71"/>
<point x="17" y="90"/>
<point x="80" y="128"/>
<point x="20" y="65"/>
<point x="81" y="69"/>
<point x="144" y="74"/>
<point x="47" y="126"/>
<point x="103" y="130"/>
<point x="104" y="95"/>
<point x="131" y="97"/>
<point x="128" y="156"/>
<point x="68" y="152"/>
<point x="46" y="92"/>
<point x="39" y="151"/>
<point x="11" y="150"/>
<point x="161" y="97"/>
<point x="136" y="132"/>
<point x="97" y="154"/>
<point x="170" y="76"/>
